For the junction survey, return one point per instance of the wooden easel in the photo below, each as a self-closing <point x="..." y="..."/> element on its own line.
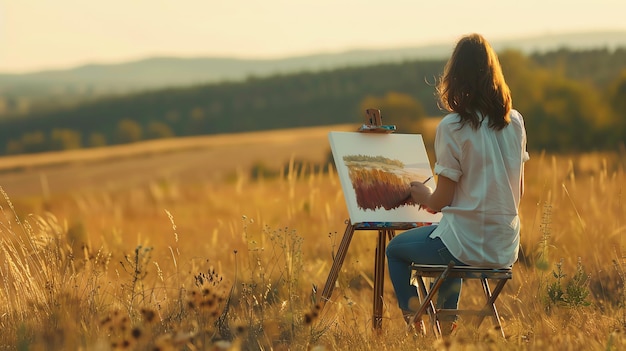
<point x="373" y="125"/>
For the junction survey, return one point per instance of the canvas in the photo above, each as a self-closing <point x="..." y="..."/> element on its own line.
<point x="375" y="170"/>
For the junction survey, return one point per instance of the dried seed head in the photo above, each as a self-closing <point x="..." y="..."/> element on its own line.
<point x="148" y="315"/>
<point x="136" y="333"/>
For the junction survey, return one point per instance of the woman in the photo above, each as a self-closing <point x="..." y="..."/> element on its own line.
<point x="480" y="150"/>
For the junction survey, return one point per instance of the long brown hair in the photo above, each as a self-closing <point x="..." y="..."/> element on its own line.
<point x="473" y="83"/>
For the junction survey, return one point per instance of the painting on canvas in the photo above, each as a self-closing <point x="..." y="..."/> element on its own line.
<point x="376" y="170"/>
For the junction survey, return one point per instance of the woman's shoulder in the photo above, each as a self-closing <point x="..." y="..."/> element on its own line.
<point x="516" y="118"/>
<point x="516" y="115"/>
<point x="449" y="124"/>
<point x="450" y="118"/>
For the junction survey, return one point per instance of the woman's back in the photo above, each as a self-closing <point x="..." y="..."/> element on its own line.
<point x="480" y="149"/>
<point x="481" y="225"/>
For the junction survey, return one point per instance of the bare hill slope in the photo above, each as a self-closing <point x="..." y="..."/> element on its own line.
<point x="184" y="159"/>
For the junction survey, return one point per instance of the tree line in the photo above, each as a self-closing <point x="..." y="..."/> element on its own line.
<point x="571" y="101"/>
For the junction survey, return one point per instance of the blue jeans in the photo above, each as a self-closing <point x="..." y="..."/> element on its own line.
<point x="414" y="246"/>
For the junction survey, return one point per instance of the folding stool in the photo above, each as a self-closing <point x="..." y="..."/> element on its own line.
<point x="440" y="273"/>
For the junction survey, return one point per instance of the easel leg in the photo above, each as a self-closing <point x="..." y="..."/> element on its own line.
<point x="379" y="277"/>
<point x="379" y="271"/>
<point x="337" y="263"/>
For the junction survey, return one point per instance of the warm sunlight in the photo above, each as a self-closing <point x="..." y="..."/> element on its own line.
<point x="280" y="175"/>
<point x="40" y="34"/>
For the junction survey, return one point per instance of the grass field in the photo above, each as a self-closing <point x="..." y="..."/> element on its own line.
<point x="175" y="246"/>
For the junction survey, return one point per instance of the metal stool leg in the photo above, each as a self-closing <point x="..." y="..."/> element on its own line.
<point x="490" y="302"/>
<point x="428" y="299"/>
<point x="430" y="309"/>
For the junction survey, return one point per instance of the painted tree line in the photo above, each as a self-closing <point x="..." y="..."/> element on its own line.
<point x="571" y="101"/>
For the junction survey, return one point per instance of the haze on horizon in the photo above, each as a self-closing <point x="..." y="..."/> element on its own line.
<point x="41" y="34"/>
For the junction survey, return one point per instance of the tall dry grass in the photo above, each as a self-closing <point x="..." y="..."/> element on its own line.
<point x="235" y="265"/>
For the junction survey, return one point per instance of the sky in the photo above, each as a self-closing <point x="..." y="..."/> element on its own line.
<point x="58" y="34"/>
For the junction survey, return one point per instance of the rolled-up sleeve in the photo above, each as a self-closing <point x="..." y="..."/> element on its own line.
<point x="448" y="153"/>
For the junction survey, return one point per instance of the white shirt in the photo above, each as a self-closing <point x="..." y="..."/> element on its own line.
<point x="481" y="227"/>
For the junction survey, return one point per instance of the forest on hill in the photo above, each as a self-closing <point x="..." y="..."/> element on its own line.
<point x="571" y="101"/>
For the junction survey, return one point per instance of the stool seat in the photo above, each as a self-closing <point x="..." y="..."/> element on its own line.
<point x="470" y="272"/>
<point x="442" y="272"/>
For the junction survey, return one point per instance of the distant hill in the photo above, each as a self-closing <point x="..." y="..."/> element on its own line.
<point x="574" y="92"/>
<point x="161" y="72"/>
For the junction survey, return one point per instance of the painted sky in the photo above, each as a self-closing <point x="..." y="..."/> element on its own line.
<point x="50" y="34"/>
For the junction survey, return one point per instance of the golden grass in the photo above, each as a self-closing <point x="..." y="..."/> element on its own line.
<point x="231" y="264"/>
